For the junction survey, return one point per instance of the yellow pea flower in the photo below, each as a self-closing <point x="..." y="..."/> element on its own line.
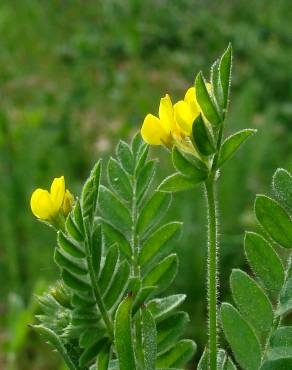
<point x="162" y="130"/>
<point x="47" y="206"/>
<point x="68" y="202"/>
<point x="187" y="110"/>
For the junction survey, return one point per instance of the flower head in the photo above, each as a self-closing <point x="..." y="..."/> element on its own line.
<point x="162" y="130"/>
<point x="48" y="206"/>
<point x="173" y="126"/>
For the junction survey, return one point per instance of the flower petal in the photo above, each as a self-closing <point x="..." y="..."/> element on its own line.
<point x="184" y="116"/>
<point x="152" y="131"/>
<point x="191" y="100"/>
<point x="58" y="192"/>
<point x="41" y="204"/>
<point x="166" y="114"/>
<point x="68" y="202"/>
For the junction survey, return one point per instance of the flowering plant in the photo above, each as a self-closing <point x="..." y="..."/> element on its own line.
<point x="116" y="255"/>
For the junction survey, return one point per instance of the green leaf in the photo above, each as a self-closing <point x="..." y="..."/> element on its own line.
<point x="216" y="84"/>
<point x="223" y="362"/>
<point x="153" y="211"/>
<point x="142" y="157"/>
<point x="142" y="296"/>
<point x="232" y="143"/>
<point x="203" y="363"/>
<point x="225" y="74"/>
<point x="145" y="178"/>
<point x="274" y="220"/>
<point x="279" y="352"/>
<point x="56" y="341"/>
<point x="280" y="364"/>
<point x="90" y="353"/>
<point x="64" y="261"/>
<point x="89" y="337"/>
<point x="282" y="184"/>
<point x="159" y="244"/>
<point x="73" y="230"/>
<point x="243" y="341"/>
<point x="264" y="261"/>
<point x="252" y="302"/>
<point x="178" y="355"/>
<point x="170" y="329"/>
<point x="90" y="191"/>
<point x="118" y="285"/>
<point x="123" y="335"/>
<point x="109" y="266"/>
<point x="285" y="304"/>
<point x="163" y="273"/>
<point x="137" y="144"/>
<point x="202" y="137"/>
<point x="205" y="101"/>
<point x="125" y="156"/>
<point x="185" y="167"/>
<point x="103" y="358"/>
<point x="119" y="180"/>
<point x="149" y="339"/>
<point x="162" y="307"/>
<point x="96" y="248"/>
<point x="74" y="282"/>
<point x="78" y="216"/>
<point x="113" y="210"/>
<point x="112" y="236"/>
<point x="177" y="182"/>
<point x="282" y="337"/>
<point x="69" y="246"/>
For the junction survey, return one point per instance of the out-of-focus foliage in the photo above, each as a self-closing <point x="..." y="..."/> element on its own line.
<point x="77" y="75"/>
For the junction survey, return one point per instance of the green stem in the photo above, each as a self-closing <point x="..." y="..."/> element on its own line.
<point x="96" y="292"/>
<point x="212" y="271"/>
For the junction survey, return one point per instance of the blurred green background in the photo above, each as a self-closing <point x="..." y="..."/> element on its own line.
<point x="76" y="76"/>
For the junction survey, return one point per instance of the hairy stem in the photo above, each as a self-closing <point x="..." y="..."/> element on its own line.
<point x="96" y="292"/>
<point x="212" y="271"/>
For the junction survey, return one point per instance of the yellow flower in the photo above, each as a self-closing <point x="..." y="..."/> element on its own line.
<point x="162" y="130"/>
<point x="49" y="205"/>
<point x="187" y="110"/>
<point x="68" y="202"/>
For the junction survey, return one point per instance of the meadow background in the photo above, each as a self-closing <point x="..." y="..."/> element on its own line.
<point x="77" y="76"/>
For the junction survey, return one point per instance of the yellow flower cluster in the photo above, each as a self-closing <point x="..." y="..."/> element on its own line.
<point x="174" y="122"/>
<point x="48" y="206"/>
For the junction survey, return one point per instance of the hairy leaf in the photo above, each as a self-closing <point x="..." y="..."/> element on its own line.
<point x="243" y="341"/>
<point x="185" y="167"/>
<point x="119" y="180"/>
<point x="232" y="143"/>
<point x="282" y="184"/>
<point x="153" y="211"/>
<point x="178" y="182"/>
<point x="113" y="210"/>
<point x="252" y="302"/>
<point x="159" y="243"/>
<point x="202" y="136"/>
<point x="264" y="261"/>
<point x="123" y="335"/>
<point x="205" y="101"/>
<point x="274" y="220"/>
